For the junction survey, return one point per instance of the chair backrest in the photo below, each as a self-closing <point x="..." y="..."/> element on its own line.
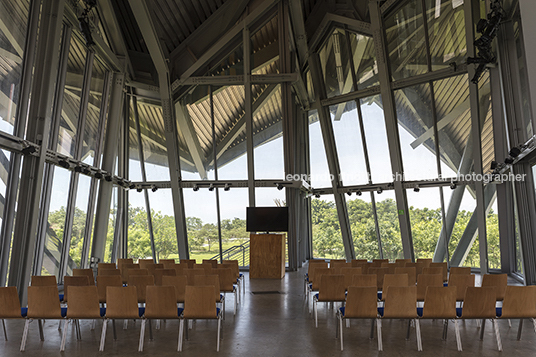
<point x="390" y="280"/>
<point x="519" y="302"/>
<point x="158" y="273"/>
<point x="122" y="261"/>
<point x="207" y="267"/>
<point x="364" y="266"/>
<point x="190" y="273"/>
<point x="124" y="270"/>
<point x="214" y="263"/>
<point x="122" y="302"/>
<point x="161" y="303"/>
<point x="390" y="266"/>
<point x="426" y="261"/>
<point x="313" y="265"/>
<point x="168" y="263"/>
<point x="227" y="279"/>
<point x="109" y="272"/>
<point x="85" y="272"/>
<point x="402" y="262"/>
<point x="199" y="302"/>
<point x="358" y="262"/>
<point x="378" y="262"/>
<point x="104" y="266"/>
<point x="178" y="282"/>
<point x="400" y="302"/>
<point x="44" y="280"/>
<point x="439" y="302"/>
<point x="73" y="281"/>
<point x="233" y="264"/>
<point x="460" y="270"/>
<point x="9" y="303"/>
<point x="365" y="280"/>
<point x="461" y="282"/>
<point x="499" y="281"/>
<point x="426" y="280"/>
<point x="435" y="270"/>
<point x="103" y="281"/>
<point x="43" y="302"/>
<point x="418" y="268"/>
<point x="442" y="265"/>
<point x="332" y="288"/>
<point x="318" y="273"/>
<point x="380" y="272"/>
<point x="206" y="280"/>
<point x="479" y="303"/>
<point x="361" y="302"/>
<point x="143" y="262"/>
<point x="83" y="302"/>
<point x="411" y="271"/>
<point x="141" y="282"/>
<point x="349" y="275"/>
<point x="152" y="267"/>
<point x="189" y="262"/>
<point x="339" y="263"/>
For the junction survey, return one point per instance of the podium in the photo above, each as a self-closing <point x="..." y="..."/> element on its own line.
<point x="267" y="256"/>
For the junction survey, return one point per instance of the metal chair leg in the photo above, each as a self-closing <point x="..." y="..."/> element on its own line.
<point x="63" y="335"/>
<point x="218" y="340"/>
<point x="103" y="335"/>
<point x="497" y="334"/>
<point x="77" y="328"/>
<point x="445" y="329"/>
<point x="409" y="330"/>
<point x="41" y="334"/>
<point x="5" y="331"/>
<point x="519" y="329"/>
<point x="179" y="345"/>
<point x="482" y="329"/>
<point x="113" y="328"/>
<point x="25" y="335"/>
<point x="418" y="333"/>
<point x="372" y="329"/>
<point x="340" y="330"/>
<point x="315" y="309"/>
<point x="150" y="331"/>
<point x="458" y="338"/>
<point x="379" y="332"/>
<point x="142" y="335"/>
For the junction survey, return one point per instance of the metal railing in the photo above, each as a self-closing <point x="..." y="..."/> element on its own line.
<point x="236" y="252"/>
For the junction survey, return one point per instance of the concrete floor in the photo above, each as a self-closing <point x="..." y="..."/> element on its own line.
<point x="272" y="324"/>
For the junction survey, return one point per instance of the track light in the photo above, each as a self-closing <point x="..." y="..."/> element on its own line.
<point x="154" y="188"/>
<point x="416" y="188"/>
<point x="453" y="185"/>
<point x="64" y="164"/>
<point x="227" y="187"/>
<point x="514" y="152"/>
<point x="494" y="165"/>
<point x="317" y="195"/>
<point x="132" y="186"/>
<point x="358" y="192"/>
<point x="349" y="193"/>
<point x="508" y="161"/>
<point x="196" y="188"/>
<point x="139" y="189"/>
<point x="211" y="187"/>
<point x="86" y="171"/>
<point x="279" y="186"/>
<point x="380" y="190"/>
<point x="78" y="168"/>
<point x="98" y="175"/>
<point x="28" y="150"/>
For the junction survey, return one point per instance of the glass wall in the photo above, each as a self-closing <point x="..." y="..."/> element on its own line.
<point x="233" y="205"/>
<point x="327" y="238"/>
<point x="202" y="223"/>
<point x="363" y="226"/>
<point x="389" y="225"/>
<point x="79" y="223"/>
<point x="163" y="219"/>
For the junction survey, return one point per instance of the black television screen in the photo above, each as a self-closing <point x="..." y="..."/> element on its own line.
<point x="267" y="219"/>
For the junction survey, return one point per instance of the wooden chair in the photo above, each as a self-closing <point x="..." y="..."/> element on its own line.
<point x="377" y="263"/>
<point x="402" y="262"/>
<point x="400" y="303"/>
<point x="122" y="261"/>
<point x="43" y="303"/>
<point x="442" y="265"/>
<point x="426" y="261"/>
<point x="144" y="262"/>
<point x="43" y="280"/>
<point x="168" y="263"/>
<point x="214" y="280"/>
<point x="332" y="289"/>
<point x="310" y="276"/>
<point x="83" y="304"/>
<point x="73" y="281"/>
<point x="411" y="271"/>
<point x="519" y="303"/>
<point x="121" y="303"/>
<point x="179" y="282"/>
<point x="426" y="280"/>
<point x="10" y="306"/>
<point x="461" y="282"/>
<point x="141" y="282"/>
<point x="390" y="266"/>
<point x="214" y="263"/>
<point x="440" y="303"/>
<point x="109" y="272"/>
<point x="436" y="270"/>
<point x="104" y="266"/>
<point x="207" y="267"/>
<point x="161" y="303"/>
<point x="361" y="303"/>
<point x="479" y="303"/>
<point x="103" y="281"/>
<point x="336" y="261"/>
<point x="365" y="280"/>
<point x="460" y="270"/>
<point x="159" y="273"/>
<point x="339" y="264"/>
<point x="390" y="280"/>
<point x="498" y="281"/>
<point x="318" y="273"/>
<point x="418" y="268"/>
<point x="236" y="270"/>
<point x="227" y="280"/>
<point x="85" y="272"/>
<point x="199" y="304"/>
<point x="355" y="262"/>
<point x="190" y="273"/>
<point x="189" y="262"/>
<point x="124" y="271"/>
<point x="380" y="273"/>
<point x="151" y="267"/>
<point x="349" y="275"/>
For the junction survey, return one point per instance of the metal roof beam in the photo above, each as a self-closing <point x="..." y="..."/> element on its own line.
<point x="341" y="21"/>
<point x="186" y="127"/>
<point x="16" y="41"/>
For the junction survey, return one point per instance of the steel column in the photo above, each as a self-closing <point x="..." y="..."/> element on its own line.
<point x="38" y="131"/>
<point x="248" y="114"/>
<point x="391" y="125"/>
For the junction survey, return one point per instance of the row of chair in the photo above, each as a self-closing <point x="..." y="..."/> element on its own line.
<point x="439" y="303"/>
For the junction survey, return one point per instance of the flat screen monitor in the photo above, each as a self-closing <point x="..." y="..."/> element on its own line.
<point x="267" y="219"/>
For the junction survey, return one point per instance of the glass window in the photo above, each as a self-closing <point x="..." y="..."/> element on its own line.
<point x="523" y="75"/>
<point x="79" y="223"/>
<point x="153" y="142"/>
<point x="364" y="60"/>
<point x="492" y="235"/>
<point x="349" y="144"/>
<point x="415" y="121"/>
<point x="461" y="256"/>
<point x="235" y="238"/>
<point x="426" y="220"/>
<point x="111" y="226"/>
<point x="405" y="41"/>
<point x="389" y="225"/>
<point x="335" y="60"/>
<point x="327" y="238"/>
<point x="12" y="39"/>
<point x="202" y="223"/>
<point x="320" y="176"/>
<point x="163" y="219"/>
<point x="269" y="196"/>
<point x="139" y="241"/>
<point x="363" y="226"/>
<point x="56" y="222"/>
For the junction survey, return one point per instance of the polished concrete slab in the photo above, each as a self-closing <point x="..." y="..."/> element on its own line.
<point x="272" y="320"/>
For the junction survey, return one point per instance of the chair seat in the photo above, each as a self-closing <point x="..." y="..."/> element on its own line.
<point x="379" y="295"/>
<point x="141" y="311"/>
<point x="498" y="311"/>
<point x="419" y="311"/>
<point x="458" y="311"/>
<point x="23" y="311"/>
<point x="63" y="311"/>
<point x="61" y="296"/>
<point x="380" y="311"/>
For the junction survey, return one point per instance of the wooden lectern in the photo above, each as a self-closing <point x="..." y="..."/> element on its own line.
<point x="267" y="256"/>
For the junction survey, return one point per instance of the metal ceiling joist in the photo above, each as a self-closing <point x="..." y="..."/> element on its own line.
<point x="298" y="29"/>
<point x="223" y="41"/>
<point x="186" y="127"/>
<point x="341" y="21"/>
<point x="17" y="43"/>
<point x="239" y="79"/>
<point x="10" y="56"/>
